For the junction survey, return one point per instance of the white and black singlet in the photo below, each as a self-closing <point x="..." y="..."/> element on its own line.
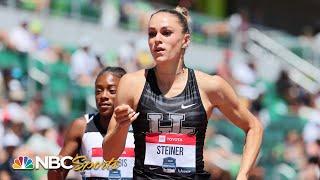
<point x="91" y="147"/>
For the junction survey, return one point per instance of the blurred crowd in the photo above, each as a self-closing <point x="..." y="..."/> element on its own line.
<point x="290" y="115"/>
<point x="44" y="86"/>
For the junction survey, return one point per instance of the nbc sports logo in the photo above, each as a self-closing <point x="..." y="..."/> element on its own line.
<point x="79" y="163"/>
<point x="22" y="162"/>
<point x="48" y="162"/>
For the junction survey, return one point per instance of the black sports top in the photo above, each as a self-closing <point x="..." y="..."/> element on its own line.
<point x="182" y="114"/>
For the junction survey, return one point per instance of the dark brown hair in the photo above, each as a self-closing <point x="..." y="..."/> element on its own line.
<point x="182" y="17"/>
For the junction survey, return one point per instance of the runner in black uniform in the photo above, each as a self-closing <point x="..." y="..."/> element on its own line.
<point x="168" y="107"/>
<point x="188" y="116"/>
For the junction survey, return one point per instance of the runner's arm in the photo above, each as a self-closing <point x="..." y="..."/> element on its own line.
<point x="121" y="119"/>
<point x="223" y="97"/>
<point x="70" y="147"/>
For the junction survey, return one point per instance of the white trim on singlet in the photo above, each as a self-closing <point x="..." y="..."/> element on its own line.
<point x="93" y="140"/>
<point x="86" y="116"/>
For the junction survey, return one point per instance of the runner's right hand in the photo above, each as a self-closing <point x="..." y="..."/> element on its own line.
<point x="124" y="115"/>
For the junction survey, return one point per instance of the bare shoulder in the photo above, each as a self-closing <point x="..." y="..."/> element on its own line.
<point x="209" y="83"/>
<point x="79" y="123"/>
<point x="130" y="88"/>
<point x="133" y="78"/>
<point x="215" y="88"/>
<point x="77" y="127"/>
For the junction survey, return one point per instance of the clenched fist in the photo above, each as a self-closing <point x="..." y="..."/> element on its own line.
<point x="124" y="115"/>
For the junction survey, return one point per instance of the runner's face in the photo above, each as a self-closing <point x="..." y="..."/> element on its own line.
<point x="166" y="38"/>
<point x="105" y="89"/>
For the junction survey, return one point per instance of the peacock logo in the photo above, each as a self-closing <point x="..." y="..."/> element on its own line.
<point x="23" y="162"/>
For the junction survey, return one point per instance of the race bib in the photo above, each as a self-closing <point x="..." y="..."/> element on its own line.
<point x="170" y="153"/>
<point x="126" y="162"/>
<point x="125" y="170"/>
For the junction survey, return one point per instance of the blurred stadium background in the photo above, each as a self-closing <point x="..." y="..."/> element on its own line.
<point x="269" y="51"/>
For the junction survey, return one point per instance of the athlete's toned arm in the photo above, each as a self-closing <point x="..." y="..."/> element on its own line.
<point x="122" y="117"/>
<point x="70" y="147"/>
<point x="222" y="96"/>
